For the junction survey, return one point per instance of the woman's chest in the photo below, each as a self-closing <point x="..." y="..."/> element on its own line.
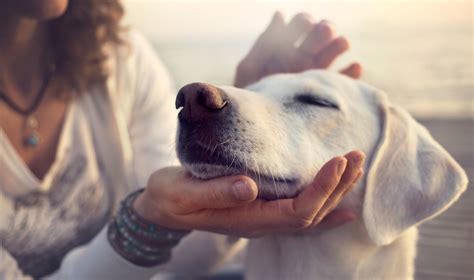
<point x="35" y="137"/>
<point x="44" y="226"/>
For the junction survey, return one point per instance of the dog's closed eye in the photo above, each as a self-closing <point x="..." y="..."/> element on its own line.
<point x="311" y="99"/>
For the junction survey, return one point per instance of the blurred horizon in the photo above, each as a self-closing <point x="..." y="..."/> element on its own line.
<point x="420" y="52"/>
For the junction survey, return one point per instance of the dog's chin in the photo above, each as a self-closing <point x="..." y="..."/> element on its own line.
<point x="269" y="187"/>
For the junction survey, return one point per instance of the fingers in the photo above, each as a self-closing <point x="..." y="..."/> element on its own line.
<point x="276" y="23"/>
<point x="251" y="220"/>
<point x="318" y="38"/>
<point x="257" y="217"/>
<point x="172" y="193"/>
<point x="276" y="50"/>
<point x="327" y="55"/>
<point x="260" y="216"/>
<point x="175" y="199"/>
<point x="352" y="173"/>
<point x="331" y="183"/>
<point x="298" y="26"/>
<point x="261" y="50"/>
<point x="280" y="35"/>
<point x="219" y="193"/>
<point x="309" y="202"/>
<point x="354" y="71"/>
<point x="242" y="221"/>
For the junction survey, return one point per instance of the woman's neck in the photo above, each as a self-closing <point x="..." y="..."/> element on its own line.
<point x="23" y="47"/>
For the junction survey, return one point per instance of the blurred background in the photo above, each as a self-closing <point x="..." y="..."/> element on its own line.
<point x="419" y="51"/>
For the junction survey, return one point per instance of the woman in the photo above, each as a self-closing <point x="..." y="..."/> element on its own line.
<point x="86" y="116"/>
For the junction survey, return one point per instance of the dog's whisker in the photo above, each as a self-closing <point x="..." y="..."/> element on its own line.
<point x="246" y="165"/>
<point x="258" y="172"/>
<point x="172" y="145"/>
<point x="214" y="149"/>
<point x="233" y="163"/>
<point x="224" y="142"/>
<point x="275" y="188"/>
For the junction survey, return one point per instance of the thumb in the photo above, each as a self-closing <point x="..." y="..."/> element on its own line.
<point x="222" y="192"/>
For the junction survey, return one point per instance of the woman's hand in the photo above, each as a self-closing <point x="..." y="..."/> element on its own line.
<point x="229" y="205"/>
<point x="275" y="51"/>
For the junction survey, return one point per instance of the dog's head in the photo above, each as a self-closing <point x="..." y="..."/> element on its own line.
<point x="281" y="130"/>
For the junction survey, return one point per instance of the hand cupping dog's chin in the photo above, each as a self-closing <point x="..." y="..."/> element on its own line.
<point x="269" y="188"/>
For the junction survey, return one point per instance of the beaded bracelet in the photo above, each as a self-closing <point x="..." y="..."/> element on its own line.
<point x="138" y="240"/>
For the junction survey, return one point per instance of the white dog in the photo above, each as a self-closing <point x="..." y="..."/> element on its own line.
<point x="281" y="130"/>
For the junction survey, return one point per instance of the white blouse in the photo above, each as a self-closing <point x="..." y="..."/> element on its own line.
<point x="112" y="139"/>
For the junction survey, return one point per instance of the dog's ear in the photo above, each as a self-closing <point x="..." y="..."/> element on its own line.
<point x="411" y="178"/>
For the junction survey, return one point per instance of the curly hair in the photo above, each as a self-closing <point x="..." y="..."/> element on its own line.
<point x="79" y="38"/>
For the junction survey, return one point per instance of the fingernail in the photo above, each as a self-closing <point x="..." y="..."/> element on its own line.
<point x="360" y="160"/>
<point x="341" y="166"/>
<point x="242" y="190"/>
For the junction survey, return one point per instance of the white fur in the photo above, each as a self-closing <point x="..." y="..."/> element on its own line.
<point x="409" y="177"/>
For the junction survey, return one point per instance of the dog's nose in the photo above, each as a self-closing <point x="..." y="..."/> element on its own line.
<point x="200" y="101"/>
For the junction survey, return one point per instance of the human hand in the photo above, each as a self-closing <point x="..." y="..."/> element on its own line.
<point x="275" y="50"/>
<point x="176" y="200"/>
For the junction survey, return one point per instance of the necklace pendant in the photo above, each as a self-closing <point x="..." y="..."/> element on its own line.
<point x="31" y="137"/>
<point x="32" y="140"/>
<point x="31" y="122"/>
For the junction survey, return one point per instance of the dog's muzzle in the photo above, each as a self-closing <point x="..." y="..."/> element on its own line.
<point x="213" y="141"/>
<point x="205" y="120"/>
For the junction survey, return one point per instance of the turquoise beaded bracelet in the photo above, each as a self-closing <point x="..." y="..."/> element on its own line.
<point x="138" y="240"/>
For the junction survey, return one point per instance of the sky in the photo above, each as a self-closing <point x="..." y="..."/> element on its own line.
<point x="167" y="19"/>
<point x="432" y="37"/>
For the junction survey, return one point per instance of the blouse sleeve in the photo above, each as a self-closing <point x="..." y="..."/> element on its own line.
<point x="152" y="123"/>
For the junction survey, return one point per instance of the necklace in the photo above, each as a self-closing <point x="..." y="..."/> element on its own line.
<point x="31" y="137"/>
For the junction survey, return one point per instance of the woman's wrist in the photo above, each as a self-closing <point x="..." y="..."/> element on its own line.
<point x="137" y="239"/>
<point x="150" y="210"/>
<point x="141" y="205"/>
